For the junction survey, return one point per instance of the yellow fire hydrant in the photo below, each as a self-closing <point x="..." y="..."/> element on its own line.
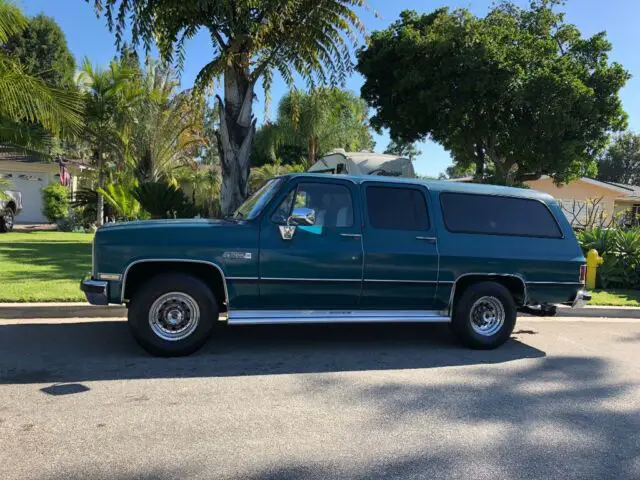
<point x="593" y="261"/>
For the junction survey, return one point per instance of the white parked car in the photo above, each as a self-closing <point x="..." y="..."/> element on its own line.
<point x="9" y="209"/>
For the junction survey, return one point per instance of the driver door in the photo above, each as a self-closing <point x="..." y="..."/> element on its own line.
<point x="320" y="266"/>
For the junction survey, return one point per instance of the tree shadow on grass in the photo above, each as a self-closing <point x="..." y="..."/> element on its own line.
<point x="76" y="352"/>
<point x="65" y="260"/>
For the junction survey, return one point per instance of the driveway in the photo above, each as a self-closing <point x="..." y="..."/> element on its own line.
<point x="561" y="400"/>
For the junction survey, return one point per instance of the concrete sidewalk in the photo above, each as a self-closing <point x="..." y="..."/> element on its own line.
<point x="84" y="310"/>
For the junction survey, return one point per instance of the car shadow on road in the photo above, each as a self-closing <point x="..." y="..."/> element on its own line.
<point x="104" y="350"/>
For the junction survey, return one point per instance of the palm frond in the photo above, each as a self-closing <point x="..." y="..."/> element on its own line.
<point x="27" y="98"/>
<point x="12" y="20"/>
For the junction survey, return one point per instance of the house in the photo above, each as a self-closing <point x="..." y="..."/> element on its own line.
<point x="614" y="200"/>
<point x="589" y="197"/>
<point x="363" y="163"/>
<point x="29" y="174"/>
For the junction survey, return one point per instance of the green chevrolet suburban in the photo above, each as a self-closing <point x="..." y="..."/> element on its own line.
<point x="314" y="248"/>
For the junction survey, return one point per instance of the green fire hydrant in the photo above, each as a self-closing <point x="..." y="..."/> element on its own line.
<point x="593" y="261"/>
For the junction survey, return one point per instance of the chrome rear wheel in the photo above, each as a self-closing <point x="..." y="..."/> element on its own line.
<point x="487" y="316"/>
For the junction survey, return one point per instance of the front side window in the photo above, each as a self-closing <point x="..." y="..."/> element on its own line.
<point x="392" y="208"/>
<point x="253" y="205"/>
<point x="332" y="203"/>
<point x="495" y="215"/>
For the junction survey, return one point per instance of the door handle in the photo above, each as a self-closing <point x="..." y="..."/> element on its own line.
<point x="428" y="239"/>
<point x="351" y="235"/>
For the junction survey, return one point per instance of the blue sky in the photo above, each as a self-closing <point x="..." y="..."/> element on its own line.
<point x="88" y="36"/>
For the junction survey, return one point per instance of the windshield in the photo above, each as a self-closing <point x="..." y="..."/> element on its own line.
<point x="253" y="205"/>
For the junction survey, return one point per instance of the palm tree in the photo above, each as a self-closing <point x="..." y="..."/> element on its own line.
<point x="26" y="101"/>
<point x="169" y="126"/>
<point x="261" y="174"/>
<point x="321" y="120"/>
<point x="4" y="186"/>
<point x="108" y="96"/>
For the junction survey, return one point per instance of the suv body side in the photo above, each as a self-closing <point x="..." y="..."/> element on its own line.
<point x="547" y="268"/>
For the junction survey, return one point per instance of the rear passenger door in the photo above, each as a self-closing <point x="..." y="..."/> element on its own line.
<point x="400" y="247"/>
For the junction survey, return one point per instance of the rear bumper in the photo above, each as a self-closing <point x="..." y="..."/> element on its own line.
<point x="582" y="297"/>
<point x="96" y="291"/>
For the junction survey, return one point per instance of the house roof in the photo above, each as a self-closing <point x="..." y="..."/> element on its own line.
<point x="622" y="188"/>
<point x="11" y="154"/>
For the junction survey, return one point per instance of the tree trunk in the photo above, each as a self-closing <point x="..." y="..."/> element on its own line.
<point x="312" y="152"/>
<point x="237" y="127"/>
<point x="100" y="206"/>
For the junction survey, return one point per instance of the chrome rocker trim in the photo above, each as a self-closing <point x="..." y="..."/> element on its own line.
<point x="270" y="317"/>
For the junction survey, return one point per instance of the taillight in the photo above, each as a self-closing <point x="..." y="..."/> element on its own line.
<point x="583" y="273"/>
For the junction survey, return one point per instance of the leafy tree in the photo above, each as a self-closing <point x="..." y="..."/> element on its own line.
<point x="250" y="39"/>
<point x="267" y="148"/>
<point x="621" y="163"/>
<point x="519" y="91"/>
<point x="321" y="120"/>
<point x="403" y="149"/>
<point x="41" y="48"/>
<point x="26" y="100"/>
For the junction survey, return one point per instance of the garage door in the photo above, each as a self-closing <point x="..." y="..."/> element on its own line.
<point x="30" y="184"/>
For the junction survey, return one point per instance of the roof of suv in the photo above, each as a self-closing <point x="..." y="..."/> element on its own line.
<point x="437" y="185"/>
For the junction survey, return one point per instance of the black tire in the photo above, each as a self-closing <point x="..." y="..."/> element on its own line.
<point x="189" y="290"/>
<point x="7" y="220"/>
<point x="496" y="298"/>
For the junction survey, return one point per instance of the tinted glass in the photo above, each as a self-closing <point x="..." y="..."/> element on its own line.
<point x="397" y="208"/>
<point x="332" y="203"/>
<point x="493" y="215"/>
<point x="253" y="205"/>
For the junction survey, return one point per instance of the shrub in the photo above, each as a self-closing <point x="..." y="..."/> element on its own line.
<point x="121" y="198"/>
<point x="161" y="200"/>
<point x="55" y="198"/>
<point x="602" y="239"/>
<point x="73" y="222"/>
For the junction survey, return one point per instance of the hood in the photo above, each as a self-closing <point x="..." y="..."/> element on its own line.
<point x="166" y="223"/>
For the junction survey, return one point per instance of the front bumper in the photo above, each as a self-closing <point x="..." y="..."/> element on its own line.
<point x="96" y="291"/>
<point x="582" y="297"/>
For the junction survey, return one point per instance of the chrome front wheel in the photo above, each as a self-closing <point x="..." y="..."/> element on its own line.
<point x="174" y="316"/>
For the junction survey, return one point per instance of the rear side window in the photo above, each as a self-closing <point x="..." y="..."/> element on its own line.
<point x="397" y="208"/>
<point x="494" y="215"/>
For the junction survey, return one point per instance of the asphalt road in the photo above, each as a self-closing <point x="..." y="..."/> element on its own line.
<point x="561" y="400"/>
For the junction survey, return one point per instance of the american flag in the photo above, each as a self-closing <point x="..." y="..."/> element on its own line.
<point x="65" y="176"/>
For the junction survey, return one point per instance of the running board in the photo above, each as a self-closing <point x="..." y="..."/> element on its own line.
<point x="270" y="317"/>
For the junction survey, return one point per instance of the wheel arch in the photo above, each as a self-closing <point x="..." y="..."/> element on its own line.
<point x="209" y="272"/>
<point x="12" y="205"/>
<point x="513" y="282"/>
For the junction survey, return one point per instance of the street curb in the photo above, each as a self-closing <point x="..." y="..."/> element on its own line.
<point x="598" y="312"/>
<point x="10" y="311"/>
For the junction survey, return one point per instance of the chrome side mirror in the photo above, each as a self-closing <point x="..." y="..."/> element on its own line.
<point x="302" y="216"/>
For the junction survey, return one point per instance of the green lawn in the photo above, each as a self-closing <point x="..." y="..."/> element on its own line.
<point x="43" y="266"/>
<point x="616" y="298"/>
<point x="48" y="267"/>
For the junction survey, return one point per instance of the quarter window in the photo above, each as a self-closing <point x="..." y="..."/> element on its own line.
<point x="495" y="215"/>
<point x="392" y="208"/>
<point x="332" y="203"/>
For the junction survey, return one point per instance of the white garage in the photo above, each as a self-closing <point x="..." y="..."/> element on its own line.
<point x="28" y="175"/>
